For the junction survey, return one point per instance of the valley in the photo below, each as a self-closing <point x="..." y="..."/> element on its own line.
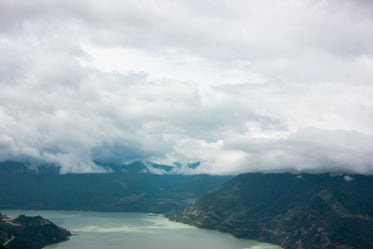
<point x="290" y="210"/>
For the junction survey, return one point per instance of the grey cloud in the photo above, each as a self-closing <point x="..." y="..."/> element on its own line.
<point x="230" y="84"/>
<point x="348" y="178"/>
<point x="315" y="149"/>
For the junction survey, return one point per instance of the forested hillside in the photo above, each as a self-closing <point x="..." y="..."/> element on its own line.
<point x="304" y="211"/>
<point x="128" y="188"/>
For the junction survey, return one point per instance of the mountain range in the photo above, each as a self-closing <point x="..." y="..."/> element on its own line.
<point x="126" y="188"/>
<point x="300" y="211"/>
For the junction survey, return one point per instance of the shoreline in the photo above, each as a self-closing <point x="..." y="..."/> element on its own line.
<point x="28" y="230"/>
<point x="33" y="211"/>
<point x="216" y="230"/>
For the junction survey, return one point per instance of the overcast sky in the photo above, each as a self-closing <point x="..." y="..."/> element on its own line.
<point x="240" y="86"/>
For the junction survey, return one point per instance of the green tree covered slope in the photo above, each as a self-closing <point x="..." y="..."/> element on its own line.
<point x="124" y="188"/>
<point x="308" y="211"/>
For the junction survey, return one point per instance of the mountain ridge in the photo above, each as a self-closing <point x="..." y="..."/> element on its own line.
<point x="124" y="188"/>
<point x="301" y="211"/>
<point x="308" y="211"/>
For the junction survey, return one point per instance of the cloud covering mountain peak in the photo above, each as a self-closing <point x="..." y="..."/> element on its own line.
<point x="234" y="85"/>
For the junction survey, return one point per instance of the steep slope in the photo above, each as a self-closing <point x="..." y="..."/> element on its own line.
<point x="127" y="188"/>
<point x="309" y="211"/>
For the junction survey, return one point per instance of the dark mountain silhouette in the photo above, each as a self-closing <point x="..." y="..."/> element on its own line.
<point x="29" y="232"/>
<point x="130" y="188"/>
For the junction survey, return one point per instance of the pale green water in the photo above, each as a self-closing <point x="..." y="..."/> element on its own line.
<point x="135" y="231"/>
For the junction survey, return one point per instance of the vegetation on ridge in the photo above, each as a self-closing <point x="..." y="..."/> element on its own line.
<point x="308" y="211"/>
<point x="293" y="211"/>
<point x="125" y="189"/>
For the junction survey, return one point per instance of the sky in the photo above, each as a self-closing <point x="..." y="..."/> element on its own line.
<point x="238" y="85"/>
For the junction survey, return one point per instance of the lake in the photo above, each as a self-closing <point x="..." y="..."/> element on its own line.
<point x="135" y="231"/>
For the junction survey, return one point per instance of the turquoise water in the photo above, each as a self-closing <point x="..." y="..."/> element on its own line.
<point x="135" y="231"/>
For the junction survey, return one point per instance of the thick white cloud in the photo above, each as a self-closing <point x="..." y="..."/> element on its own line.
<point x="239" y="86"/>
